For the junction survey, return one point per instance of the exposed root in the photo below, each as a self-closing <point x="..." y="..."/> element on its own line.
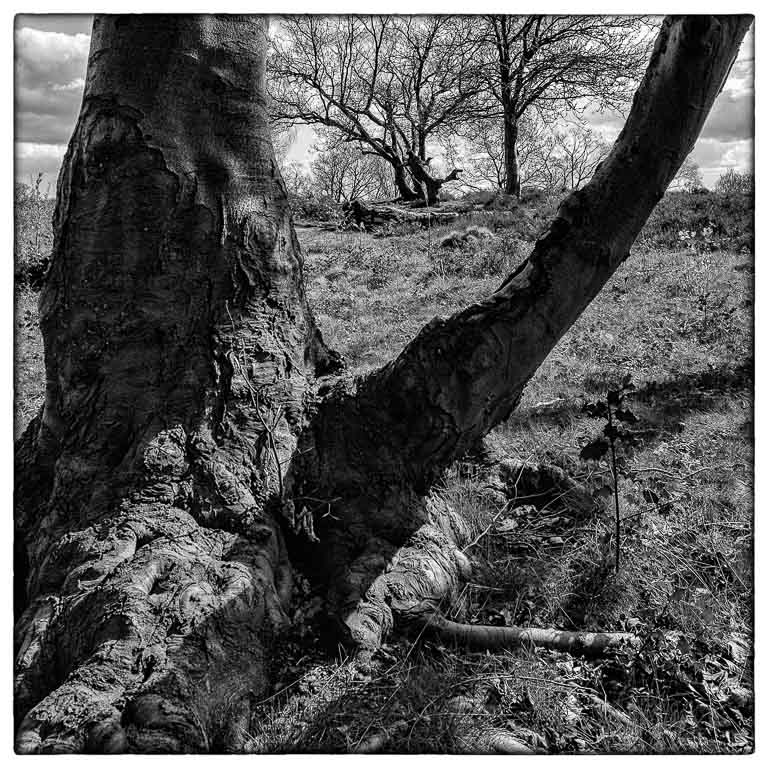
<point x="473" y="735"/>
<point x="493" y="741"/>
<point x="147" y="630"/>
<point x="421" y="579"/>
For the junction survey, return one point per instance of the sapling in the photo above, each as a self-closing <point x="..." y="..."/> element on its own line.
<point x="613" y="411"/>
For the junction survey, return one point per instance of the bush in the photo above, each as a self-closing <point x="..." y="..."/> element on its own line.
<point x="734" y="182"/>
<point x="33" y="213"/>
<point x="314" y="208"/>
<point x="498" y="257"/>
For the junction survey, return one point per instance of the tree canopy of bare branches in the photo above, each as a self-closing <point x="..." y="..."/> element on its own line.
<point x="391" y="84"/>
<point x="342" y="173"/>
<point x="552" y="64"/>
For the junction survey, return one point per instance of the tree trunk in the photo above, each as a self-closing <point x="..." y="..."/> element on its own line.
<point x="375" y="215"/>
<point x="404" y="189"/>
<point x="429" y="183"/>
<point x="183" y="441"/>
<point x="511" y="165"/>
<point x="179" y="351"/>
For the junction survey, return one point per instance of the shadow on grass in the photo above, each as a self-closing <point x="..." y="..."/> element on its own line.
<point x="698" y="390"/>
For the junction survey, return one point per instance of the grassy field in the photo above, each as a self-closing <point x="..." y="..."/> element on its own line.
<point x="678" y="320"/>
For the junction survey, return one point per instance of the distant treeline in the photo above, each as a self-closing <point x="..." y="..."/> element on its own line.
<point x="726" y="213"/>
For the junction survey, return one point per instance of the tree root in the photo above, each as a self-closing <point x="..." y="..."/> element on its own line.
<point x="424" y="577"/>
<point x="148" y="630"/>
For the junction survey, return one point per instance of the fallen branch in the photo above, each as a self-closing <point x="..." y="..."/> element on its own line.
<point x="487" y="637"/>
<point x="374" y="215"/>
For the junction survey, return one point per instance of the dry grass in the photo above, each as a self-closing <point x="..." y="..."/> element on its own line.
<point x="681" y="325"/>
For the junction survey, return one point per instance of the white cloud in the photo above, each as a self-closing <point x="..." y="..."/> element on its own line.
<point x="50" y="75"/>
<point x="26" y="150"/>
<point x="50" y="57"/>
<point x="732" y="117"/>
<point x="714" y="157"/>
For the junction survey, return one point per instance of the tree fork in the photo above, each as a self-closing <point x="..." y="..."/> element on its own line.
<point x="397" y="429"/>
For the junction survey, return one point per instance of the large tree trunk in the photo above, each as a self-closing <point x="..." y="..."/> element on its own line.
<point x="183" y="441"/>
<point x="404" y="189"/>
<point x="429" y="183"/>
<point x="179" y="351"/>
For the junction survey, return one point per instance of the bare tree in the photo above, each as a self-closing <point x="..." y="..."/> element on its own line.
<point x="192" y="446"/>
<point x="576" y="153"/>
<point x="558" y="158"/>
<point x="553" y="64"/>
<point x="689" y="177"/>
<point x="483" y="153"/>
<point x="343" y="173"/>
<point x="297" y="179"/>
<point x="393" y="84"/>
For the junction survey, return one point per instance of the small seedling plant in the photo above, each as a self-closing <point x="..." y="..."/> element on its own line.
<point x="616" y="434"/>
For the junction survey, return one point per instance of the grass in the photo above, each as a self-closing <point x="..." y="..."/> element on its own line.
<point x="680" y="322"/>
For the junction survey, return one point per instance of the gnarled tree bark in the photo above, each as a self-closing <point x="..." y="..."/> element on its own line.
<point x="185" y="436"/>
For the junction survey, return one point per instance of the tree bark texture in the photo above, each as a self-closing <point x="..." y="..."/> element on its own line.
<point x="185" y="446"/>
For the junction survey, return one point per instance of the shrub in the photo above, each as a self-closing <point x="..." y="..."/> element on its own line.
<point x="499" y="257"/>
<point x="312" y="208"/>
<point x="33" y="212"/>
<point x="734" y="182"/>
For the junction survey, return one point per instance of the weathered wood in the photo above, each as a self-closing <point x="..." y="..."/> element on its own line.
<point x="375" y="215"/>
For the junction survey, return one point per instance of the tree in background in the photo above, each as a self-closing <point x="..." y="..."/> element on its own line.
<point x="341" y="172"/>
<point x="297" y="179"/>
<point x="394" y="84"/>
<point x="552" y="64"/>
<point x="689" y="177"/>
<point x="554" y="159"/>
<point x="482" y="152"/>
<point x="193" y="447"/>
<point x="576" y="153"/>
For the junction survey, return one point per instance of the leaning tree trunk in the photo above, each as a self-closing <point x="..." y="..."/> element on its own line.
<point x="184" y="445"/>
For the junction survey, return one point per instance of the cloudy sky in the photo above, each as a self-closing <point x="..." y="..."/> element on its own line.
<point x="51" y="53"/>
